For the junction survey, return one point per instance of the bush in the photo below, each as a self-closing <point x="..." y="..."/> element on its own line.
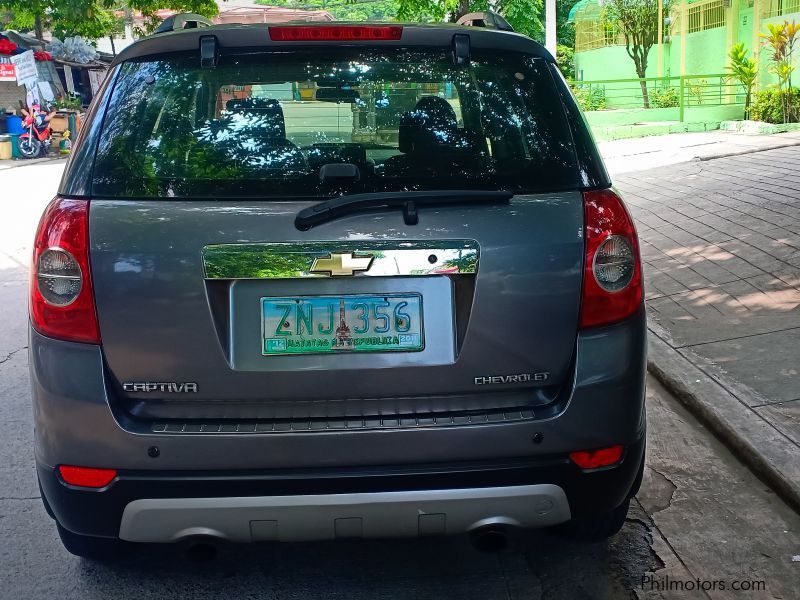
<point x="565" y="57"/>
<point x="768" y="105"/>
<point x="589" y="98"/>
<point x="664" y="97"/>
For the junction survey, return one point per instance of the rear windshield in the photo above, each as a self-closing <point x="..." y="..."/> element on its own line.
<point x="268" y="124"/>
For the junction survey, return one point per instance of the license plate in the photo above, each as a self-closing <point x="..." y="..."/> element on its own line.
<point x="330" y="324"/>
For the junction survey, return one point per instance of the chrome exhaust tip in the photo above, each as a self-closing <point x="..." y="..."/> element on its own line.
<point x="490" y="539"/>
<point x="202" y="548"/>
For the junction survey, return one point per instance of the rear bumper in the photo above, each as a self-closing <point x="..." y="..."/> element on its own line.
<point x="334" y="516"/>
<point x="251" y="506"/>
<point x="75" y="425"/>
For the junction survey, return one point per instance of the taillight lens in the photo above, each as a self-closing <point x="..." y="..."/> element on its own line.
<point x="334" y="33"/>
<point x="58" y="277"/>
<point x="612" y="282"/>
<point x="61" y="295"/>
<point x="594" y="459"/>
<point x="89" y="477"/>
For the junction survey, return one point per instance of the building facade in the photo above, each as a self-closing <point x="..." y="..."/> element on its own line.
<point x="696" y="38"/>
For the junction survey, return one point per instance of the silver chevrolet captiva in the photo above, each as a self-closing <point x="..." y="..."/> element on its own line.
<point x="318" y="281"/>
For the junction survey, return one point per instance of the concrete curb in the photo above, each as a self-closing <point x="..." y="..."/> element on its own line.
<point x="16" y="164"/>
<point x="745" y="151"/>
<point x="764" y="449"/>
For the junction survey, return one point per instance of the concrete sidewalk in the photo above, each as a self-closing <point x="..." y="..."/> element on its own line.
<point x="633" y="155"/>
<point x="720" y="241"/>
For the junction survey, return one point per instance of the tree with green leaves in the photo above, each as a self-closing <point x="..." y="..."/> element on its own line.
<point x="344" y="10"/>
<point x="565" y="30"/>
<point x="91" y="19"/>
<point x="524" y="15"/>
<point x="565" y="59"/>
<point x="637" y="20"/>
<point x="83" y="17"/>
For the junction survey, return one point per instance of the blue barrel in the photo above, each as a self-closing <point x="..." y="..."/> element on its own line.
<point x="14" y="124"/>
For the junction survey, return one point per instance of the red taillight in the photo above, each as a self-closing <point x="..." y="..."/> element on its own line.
<point x="333" y="33"/>
<point x="593" y="459"/>
<point x="86" y="476"/>
<point x="612" y="279"/>
<point x="61" y="294"/>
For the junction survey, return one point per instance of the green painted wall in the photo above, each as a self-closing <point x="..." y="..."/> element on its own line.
<point x="697" y="114"/>
<point x="614" y="63"/>
<point x="705" y="54"/>
<point x="611" y="62"/>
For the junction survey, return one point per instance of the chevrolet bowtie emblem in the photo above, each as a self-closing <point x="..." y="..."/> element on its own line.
<point x="341" y="263"/>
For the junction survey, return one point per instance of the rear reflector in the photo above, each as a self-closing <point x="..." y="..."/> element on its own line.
<point x="334" y="33"/>
<point x="61" y="294"/>
<point x="612" y="278"/>
<point x="592" y="459"/>
<point x="87" y="476"/>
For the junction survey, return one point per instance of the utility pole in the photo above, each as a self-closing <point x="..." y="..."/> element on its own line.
<point x="550" y="26"/>
<point x="660" y="39"/>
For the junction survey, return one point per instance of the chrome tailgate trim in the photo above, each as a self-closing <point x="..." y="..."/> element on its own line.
<point x="366" y="258"/>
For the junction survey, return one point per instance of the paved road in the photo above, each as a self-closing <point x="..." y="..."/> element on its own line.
<point x="700" y="513"/>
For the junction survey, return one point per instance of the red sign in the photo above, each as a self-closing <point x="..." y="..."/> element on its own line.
<point x="7" y="72"/>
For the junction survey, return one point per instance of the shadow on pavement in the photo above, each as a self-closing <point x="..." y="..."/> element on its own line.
<point x="537" y="565"/>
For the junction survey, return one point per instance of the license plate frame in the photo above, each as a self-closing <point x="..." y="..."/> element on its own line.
<point x="410" y="340"/>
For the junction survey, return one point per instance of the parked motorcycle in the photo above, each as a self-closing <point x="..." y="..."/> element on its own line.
<point x="36" y="141"/>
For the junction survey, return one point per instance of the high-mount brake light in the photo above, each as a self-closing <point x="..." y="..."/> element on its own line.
<point x="334" y="33"/>
<point x="612" y="279"/>
<point x="61" y="295"/>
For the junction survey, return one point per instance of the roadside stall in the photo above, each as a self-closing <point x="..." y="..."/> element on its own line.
<point x="43" y="92"/>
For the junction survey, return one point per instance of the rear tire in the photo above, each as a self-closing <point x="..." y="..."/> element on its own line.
<point x="597" y="527"/>
<point x="94" y="548"/>
<point x="29" y="147"/>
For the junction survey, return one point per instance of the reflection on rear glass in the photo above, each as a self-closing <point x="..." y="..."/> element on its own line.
<point x="266" y="124"/>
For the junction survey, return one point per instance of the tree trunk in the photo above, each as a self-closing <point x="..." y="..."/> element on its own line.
<point x="38" y="27"/>
<point x="643" y="84"/>
<point x="463" y="9"/>
<point x="639" y="56"/>
<point x="784" y="105"/>
<point x="747" y="99"/>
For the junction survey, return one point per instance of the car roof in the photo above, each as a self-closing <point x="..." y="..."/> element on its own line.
<point x="235" y="36"/>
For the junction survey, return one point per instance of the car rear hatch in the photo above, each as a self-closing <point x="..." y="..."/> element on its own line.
<point x="216" y="299"/>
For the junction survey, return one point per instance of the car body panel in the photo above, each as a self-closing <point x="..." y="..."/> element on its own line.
<point x="157" y="317"/>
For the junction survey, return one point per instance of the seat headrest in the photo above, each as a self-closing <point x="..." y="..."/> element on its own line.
<point x="432" y="124"/>
<point x="267" y="111"/>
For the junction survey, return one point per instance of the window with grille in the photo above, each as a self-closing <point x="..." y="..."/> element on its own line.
<point x="596" y="34"/>
<point x="709" y="15"/>
<point x="776" y="8"/>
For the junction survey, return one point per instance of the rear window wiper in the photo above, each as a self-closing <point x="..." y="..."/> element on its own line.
<point x="342" y="205"/>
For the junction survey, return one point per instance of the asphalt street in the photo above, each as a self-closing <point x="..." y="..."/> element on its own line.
<point x="702" y="520"/>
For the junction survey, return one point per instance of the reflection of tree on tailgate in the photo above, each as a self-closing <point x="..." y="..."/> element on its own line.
<point x="257" y="264"/>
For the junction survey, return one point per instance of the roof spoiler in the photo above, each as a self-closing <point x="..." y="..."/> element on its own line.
<point x="182" y="21"/>
<point x="489" y="19"/>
